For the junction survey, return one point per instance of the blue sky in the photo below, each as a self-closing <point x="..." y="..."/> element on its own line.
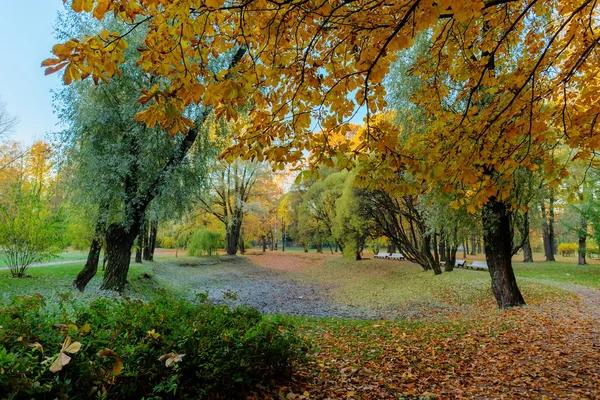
<point x="26" y="32"/>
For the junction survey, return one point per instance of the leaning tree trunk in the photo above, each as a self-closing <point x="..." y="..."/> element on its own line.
<point x="498" y="244"/>
<point x="118" y="245"/>
<point x="91" y="265"/>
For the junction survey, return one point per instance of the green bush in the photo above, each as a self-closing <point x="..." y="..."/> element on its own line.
<point x="165" y="242"/>
<point x="204" y="243"/>
<point x="123" y="349"/>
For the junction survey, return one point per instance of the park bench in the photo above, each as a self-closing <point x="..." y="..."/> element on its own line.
<point x="481" y="265"/>
<point x="457" y="263"/>
<point x="396" y="256"/>
<point x="382" y="255"/>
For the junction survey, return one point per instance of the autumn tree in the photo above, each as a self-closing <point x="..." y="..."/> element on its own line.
<point x="230" y="187"/>
<point x="121" y="166"/>
<point x="502" y="82"/>
<point x="31" y="228"/>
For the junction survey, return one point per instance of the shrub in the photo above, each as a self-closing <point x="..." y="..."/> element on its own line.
<point x="204" y="242"/>
<point x="165" y="242"/>
<point x="568" y="249"/>
<point x="122" y="349"/>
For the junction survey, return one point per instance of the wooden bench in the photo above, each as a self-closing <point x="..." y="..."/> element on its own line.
<point x="382" y="255"/>
<point x="481" y="265"/>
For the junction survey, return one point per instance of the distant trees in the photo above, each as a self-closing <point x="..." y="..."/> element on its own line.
<point x="31" y="222"/>
<point x="7" y="122"/>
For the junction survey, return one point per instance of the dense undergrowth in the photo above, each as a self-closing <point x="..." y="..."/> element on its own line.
<point x="124" y="348"/>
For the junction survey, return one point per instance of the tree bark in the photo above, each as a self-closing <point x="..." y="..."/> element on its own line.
<point x="582" y="241"/>
<point x="436" y="253"/>
<point x="319" y="248"/>
<point x="264" y="243"/>
<point x="450" y="258"/>
<point x="551" y="234"/>
<point x="473" y="245"/>
<point x="140" y="242"/>
<point x="498" y="246"/>
<point x="527" y="253"/>
<point x="150" y="232"/>
<point x="442" y="244"/>
<point x="91" y="265"/>
<point x="118" y="245"/>
<point x="283" y="236"/>
<point x="548" y="231"/>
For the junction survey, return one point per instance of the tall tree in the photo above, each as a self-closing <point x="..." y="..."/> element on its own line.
<point x="230" y="188"/>
<point x="503" y="81"/>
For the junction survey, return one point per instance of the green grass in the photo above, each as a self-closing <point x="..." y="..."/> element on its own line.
<point x="585" y="275"/>
<point x="64" y="256"/>
<point x="58" y="278"/>
<point x="382" y="283"/>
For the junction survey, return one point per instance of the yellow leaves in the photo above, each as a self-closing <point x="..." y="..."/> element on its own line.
<point x="214" y="4"/>
<point x="62" y="359"/>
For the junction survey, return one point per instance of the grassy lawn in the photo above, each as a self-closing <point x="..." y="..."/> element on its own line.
<point x="586" y="275"/>
<point x="58" y="278"/>
<point x="382" y="283"/>
<point x="64" y="256"/>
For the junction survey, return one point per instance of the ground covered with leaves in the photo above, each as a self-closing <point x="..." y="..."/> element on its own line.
<point x="393" y="330"/>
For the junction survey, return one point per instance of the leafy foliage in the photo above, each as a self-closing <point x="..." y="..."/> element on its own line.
<point x="204" y="242"/>
<point x="130" y="349"/>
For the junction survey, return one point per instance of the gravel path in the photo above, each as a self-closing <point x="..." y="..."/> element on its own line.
<point x="236" y="281"/>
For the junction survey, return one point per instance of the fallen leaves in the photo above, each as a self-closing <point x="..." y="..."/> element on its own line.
<point x="546" y="351"/>
<point x="63" y="359"/>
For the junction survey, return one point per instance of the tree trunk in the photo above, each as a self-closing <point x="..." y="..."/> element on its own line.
<point x="264" y="243"/>
<point x="319" y="248"/>
<point x="282" y="236"/>
<point x="582" y="241"/>
<point x="551" y="234"/>
<point x="118" y="245"/>
<point x="232" y="236"/>
<point x="91" y="266"/>
<point x="473" y="245"/>
<point x="442" y="244"/>
<point x="139" y="249"/>
<point x="527" y="253"/>
<point x="498" y="249"/>
<point x="436" y="254"/>
<point x="450" y="258"/>
<point x="151" y="240"/>
<point x="391" y="248"/>
<point x="465" y="249"/>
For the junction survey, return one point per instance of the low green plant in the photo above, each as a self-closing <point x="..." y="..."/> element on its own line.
<point x="123" y="349"/>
